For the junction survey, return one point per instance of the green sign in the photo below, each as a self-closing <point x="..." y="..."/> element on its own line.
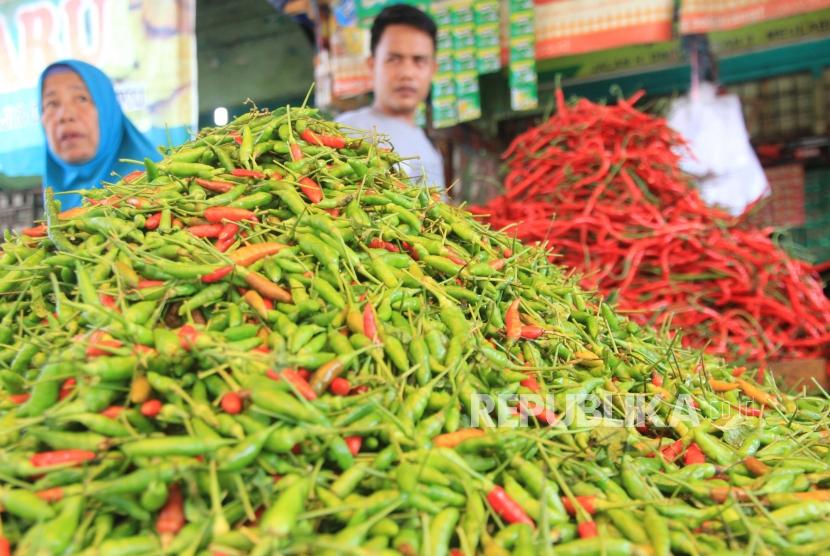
<point x="770" y="33"/>
<point x="629" y="58"/>
<point x="724" y="43"/>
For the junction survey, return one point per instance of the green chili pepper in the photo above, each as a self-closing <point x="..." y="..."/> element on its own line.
<point x="243" y="454"/>
<point x="25" y="504"/>
<point x="46" y="388"/>
<point x="208" y="295"/>
<point x="172" y="446"/>
<point x="266" y="395"/>
<point x="280" y="518"/>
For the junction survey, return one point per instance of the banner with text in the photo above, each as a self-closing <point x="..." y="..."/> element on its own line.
<point x="703" y="16"/>
<point x="565" y="27"/>
<point x="147" y="48"/>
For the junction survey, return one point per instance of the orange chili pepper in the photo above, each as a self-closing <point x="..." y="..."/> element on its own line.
<point x="453" y="439"/>
<point x="267" y="288"/>
<point x="722" y="385"/>
<point x="513" y="321"/>
<point x="250" y="254"/>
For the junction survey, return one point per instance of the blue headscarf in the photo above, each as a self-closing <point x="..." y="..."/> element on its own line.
<point x="118" y="138"/>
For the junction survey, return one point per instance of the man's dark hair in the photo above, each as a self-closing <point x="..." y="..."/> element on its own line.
<point x="403" y="14"/>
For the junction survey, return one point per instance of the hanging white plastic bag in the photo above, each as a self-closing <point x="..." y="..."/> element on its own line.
<point x="720" y="154"/>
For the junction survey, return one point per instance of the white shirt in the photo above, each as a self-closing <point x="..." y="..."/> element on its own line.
<point x="729" y="174"/>
<point x="408" y="140"/>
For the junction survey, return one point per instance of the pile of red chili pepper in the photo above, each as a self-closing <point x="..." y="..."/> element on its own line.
<point x="602" y="186"/>
<point x="271" y="343"/>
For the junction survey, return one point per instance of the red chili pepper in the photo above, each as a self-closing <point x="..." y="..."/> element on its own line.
<point x="455" y="257"/>
<point x="231" y="403"/>
<point x="497" y="264"/>
<point x="587" y="503"/>
<point x="340" y="386"/>
<point x="188" y="336"/>
<point x="217" y="215"/>
<point x="149" y="284"/>
<point x="236" y="137"/>
<point x="311" y="189"/>
<point x="19" y="398"/>
<point x="370" y="326"/>
<point x="107" y="301"/>
<point x="61" y="457"/>
<point x="531" y="384"/>
<point x="548" y="417"/>
<point x="101" y="343"/>
<point x="215" y="186"/>
<point x="51" y="495"/>
<point x="354" y="443"/>
<point x="506" y="507"/>
<point x="153" y="221"/>
<point x="206" y="230"/>
<point x="110" y="201"/>
<point x="376" y="243"/>
<point x="151" y="408"/>
<point x="113" y="411"/>
<point x="36" y="231"/>
<point x="672" y="451"/>
<point x="693" y="455"/>
<point x="66" y="388"/>
<point x="738" y="371"/>
<point x="139" y="349"/>
<point x="295" y="151"/>
<point x="323" y="140"/>
<point x="228" y="231"/>
<point x="245" y="173"/>
<point x="750" y="411"/>
<point x="223" y="245"/>
<point x="760" y="374"/>
<point x="411" y="250"/>
<point x="587" y="529"/>
<point x="171" y="517"/>
<point x="301" y="384"/>
<point x="513" y="321"/>
<point x="531" y="332"/>
<point x="630" y="222"/>
<point x="217" y="274"/>
<point x="657" y="379"/>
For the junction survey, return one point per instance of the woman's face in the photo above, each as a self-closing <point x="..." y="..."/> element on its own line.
<point x="69" y="117"/>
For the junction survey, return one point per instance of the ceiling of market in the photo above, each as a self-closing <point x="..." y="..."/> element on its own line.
<point x="249" y="50"/>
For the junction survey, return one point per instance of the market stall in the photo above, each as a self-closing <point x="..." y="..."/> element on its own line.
<point x="770" y="58"/>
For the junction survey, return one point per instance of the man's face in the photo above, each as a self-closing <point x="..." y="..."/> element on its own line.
<point x="402" y="68"/>
<point x="70" y="118"/>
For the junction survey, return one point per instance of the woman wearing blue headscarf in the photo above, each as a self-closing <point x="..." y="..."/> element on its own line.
<point x="86" y="131"/>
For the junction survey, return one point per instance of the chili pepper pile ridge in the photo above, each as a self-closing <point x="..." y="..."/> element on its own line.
<point x="601" y="185"/>
<point x="270" y="342"/>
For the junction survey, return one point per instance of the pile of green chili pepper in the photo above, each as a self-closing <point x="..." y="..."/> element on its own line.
<point x="272" y="342"/>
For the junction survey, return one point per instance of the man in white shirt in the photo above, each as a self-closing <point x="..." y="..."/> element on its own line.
<point x="402" y="65"/>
